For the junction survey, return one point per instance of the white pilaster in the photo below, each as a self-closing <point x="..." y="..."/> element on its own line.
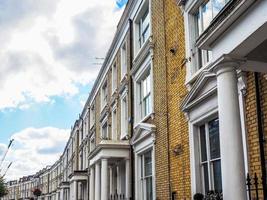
<point x="127" y="179"/>
<point x="92" y="183"/>
<point x="110" y="181"/>
<point x="97" y="182"/>
<point x="75" y="190"/>
<point x="118" y="180"/>
<point x="104" y="179"/>
<point x="232" y="156"/>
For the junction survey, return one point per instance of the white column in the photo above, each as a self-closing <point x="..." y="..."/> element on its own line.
<point x="92" y="183"/>
<point x="127" y="179"/>
<point x="97" y="181"/>
<point x="118" y="180"/>
<point x="104" y="179"/>
<point x="110" y="181"/>
<point x="75" y="190"/>
<point x="232" y="156"/>
<point x="61" y="194"/>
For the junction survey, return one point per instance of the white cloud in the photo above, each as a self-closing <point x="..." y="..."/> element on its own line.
<point x="34" y="149"/>
<point x="48" y="46"/>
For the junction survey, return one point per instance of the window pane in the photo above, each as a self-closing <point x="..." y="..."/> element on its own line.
<point x="148" y="83"/>
<point x="217" y="6"/>
<point x="145" y="20"/>
<point x="214" y="139"/>
<point x="148" y="163"/>
<point x="203" y="143"/>
<point x="145" y="26"/>
<point x="206" y="14"/>
<point x="199" y="26"/>
<point x="217" y="175"/>
<point x="147" y="105"/>
<point x="149" y="193"/>
<point x="206" y="177"/>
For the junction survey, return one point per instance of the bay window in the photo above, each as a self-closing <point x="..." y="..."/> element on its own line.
<point x="210" y="160"/>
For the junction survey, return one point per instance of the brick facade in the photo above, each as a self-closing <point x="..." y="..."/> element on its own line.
<point x="254" y="159"/>
<point x="177" y="124"/>
<point x="160" y="101"/>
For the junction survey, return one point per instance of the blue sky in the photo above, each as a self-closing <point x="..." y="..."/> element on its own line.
<point x="47" y="56"/>
<point x="61" y="113"/>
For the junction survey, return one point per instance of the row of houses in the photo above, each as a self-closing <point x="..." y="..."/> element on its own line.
<point x="179" y="107"/>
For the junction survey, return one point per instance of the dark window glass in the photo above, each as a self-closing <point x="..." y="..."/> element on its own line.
<point x="214" y="139"/>
<point x="217" y="174"/>
<point x="203" y="144"/>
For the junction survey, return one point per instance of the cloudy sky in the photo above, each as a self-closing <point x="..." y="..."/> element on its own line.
<point x="47" y="68"/>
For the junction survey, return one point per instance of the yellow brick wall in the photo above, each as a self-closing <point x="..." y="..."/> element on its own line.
<point x="160" y="101"/>
<point x="178" y="126"/>
<point x="263" y="94"/>
<point x="172" y="171"/>
<point x="254" y="160"/>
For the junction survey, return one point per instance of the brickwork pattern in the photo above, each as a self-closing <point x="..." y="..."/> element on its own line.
<point x="160" y="101"/>
<point x="254" y="159"/>
<point x="178" y="126"/>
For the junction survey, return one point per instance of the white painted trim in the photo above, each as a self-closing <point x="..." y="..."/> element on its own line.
<point x="145" y="68"/>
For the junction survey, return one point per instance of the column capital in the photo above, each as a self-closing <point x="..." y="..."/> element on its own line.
<point x="104" y="158"/>
<point x="225" y="67"/>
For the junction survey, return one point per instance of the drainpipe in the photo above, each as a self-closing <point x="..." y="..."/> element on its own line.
<point x="132" y="109"/>
<point x="167" y="108"/>
<point x="261" y="134"/>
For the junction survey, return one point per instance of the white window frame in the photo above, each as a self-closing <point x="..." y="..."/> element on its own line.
<point x="114" y="77"/>
<point x="123" y="60"/>
<point x="105" y="124"/>
<point x="144" y="97"/>
<point x="138" y="28"/>
<point x="104" y="94"/>
<point x="209" y="160"/>
<point x="142" y="177"/>
<point x="92" y="116"/>
<point x="146" y="68"/>
<point x="92" y="141"/>
<point x="114" y="123"/>
<point x="139" y="149"/>
<point x="124" y="114"/>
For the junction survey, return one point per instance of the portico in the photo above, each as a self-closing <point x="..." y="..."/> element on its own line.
<point x="110" y="171"/>
<point x="78" y="185"/>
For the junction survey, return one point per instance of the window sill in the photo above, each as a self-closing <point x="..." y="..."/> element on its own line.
<point x="141" y="49"/>
<point x="124" y="77"/>
<point x="151" y="115"/>
<point x="103" y="107"/>
<point x="189" y="82"/>
<point x="124" y="136"/>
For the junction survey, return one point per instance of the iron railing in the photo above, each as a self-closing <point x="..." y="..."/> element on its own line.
<point x="254" y="187"/>
<point x="118" y="197"/>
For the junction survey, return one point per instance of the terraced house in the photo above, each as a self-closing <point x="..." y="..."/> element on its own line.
<point x="225" y="107"/>
<point x="178" y="108"/>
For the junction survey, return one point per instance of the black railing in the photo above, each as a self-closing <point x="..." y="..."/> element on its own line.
<point x="254" y="187"/>
<point x="118" y="197"/>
